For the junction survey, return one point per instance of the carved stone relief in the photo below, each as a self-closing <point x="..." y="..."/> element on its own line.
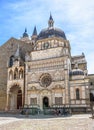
<point x="33" y="77"/>
<point x="57" y="75"/>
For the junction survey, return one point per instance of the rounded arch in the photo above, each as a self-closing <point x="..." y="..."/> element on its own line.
<point x="45" y="102"/>
<point x="33" y="88"/>
<point x="15" y="87"/>
<point x="58" y="86"/>
<point x="15" y="97"/>
<point x="77" y="94"/>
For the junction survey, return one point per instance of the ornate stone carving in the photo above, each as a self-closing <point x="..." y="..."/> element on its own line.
<point x="33" y="77"/>
<point x="45" y="79"/>
<point x="57" y="75"/>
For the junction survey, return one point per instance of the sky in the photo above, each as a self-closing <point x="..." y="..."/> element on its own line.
<point x="74" y="17"/>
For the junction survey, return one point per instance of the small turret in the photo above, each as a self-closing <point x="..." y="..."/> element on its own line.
<point x="50" y="21"/>
<point x="35" y="31"/>
<point x="25" y="37"/>
<point x="25" y="33"/>
<point x="34" y="35"/>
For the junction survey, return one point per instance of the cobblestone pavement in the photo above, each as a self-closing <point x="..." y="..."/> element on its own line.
<point x="75" y="122"/>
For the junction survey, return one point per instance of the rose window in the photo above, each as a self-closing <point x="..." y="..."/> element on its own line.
<point x="45" y="80"/>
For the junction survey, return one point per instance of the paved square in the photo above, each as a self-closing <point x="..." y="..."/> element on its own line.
<point x="19" y="122"/>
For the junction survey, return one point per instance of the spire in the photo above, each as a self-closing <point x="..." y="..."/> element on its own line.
<point x="50" y="21"/>
<point x="25" y="33"/>
<point x="34" y="31"/>
<point x="50" y="17"/>
<point x="17" y="58"/>
<point x="25" y="30"/>
<point x="17" y="54"/>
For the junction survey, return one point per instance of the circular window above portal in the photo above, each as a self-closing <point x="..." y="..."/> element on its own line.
<point x="45" y="80"/>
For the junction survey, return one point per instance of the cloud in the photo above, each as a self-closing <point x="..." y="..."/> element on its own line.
<point x="74" y="17"/>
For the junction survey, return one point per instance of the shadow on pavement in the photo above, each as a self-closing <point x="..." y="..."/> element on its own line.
<point x="28" y="116"/>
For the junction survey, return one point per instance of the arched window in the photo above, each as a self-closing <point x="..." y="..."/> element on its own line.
<point x="91" y="83"/>
<point x="21" y="74"/>
<point x="77" y="94"/>
<point x="11" y="61"/>
<point x="15" y="73"/>
<point x="64" y="44"/>
<point x="10" y="75"/>
<point x="28" y="68"/>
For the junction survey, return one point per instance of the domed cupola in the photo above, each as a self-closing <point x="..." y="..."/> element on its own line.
<point x="25" y="33"/>
<point x="76" y="72"/>
<point x="51" y="31"/>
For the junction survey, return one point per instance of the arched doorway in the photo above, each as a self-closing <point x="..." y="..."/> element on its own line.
<point x="45" y="102"/>
<point x="91" y="97"/>
<point x="19" y="99"/>
<point x="15" y="101"/>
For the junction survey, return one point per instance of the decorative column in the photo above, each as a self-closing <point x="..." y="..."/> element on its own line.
<point x="52" y="96"/>
<point x="26" y="83"/>
<point x="7" y="103"/>
<point x="22" y="99"/>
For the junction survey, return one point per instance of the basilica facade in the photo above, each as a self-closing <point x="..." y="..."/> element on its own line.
<point x="41" y="72"/>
